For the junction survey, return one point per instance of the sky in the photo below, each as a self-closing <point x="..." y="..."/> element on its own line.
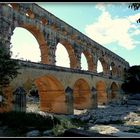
<point x="111" y="24"/>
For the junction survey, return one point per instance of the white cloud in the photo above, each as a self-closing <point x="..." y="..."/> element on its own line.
<point x="136" y="32"/>
<point x="100" y="6"/>
<point x="137" y="42"/>
<point x="108" y="30"/>
<point x="134" y="18"/>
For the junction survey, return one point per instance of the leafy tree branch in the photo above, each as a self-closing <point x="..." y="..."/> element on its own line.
<point x="135" y="6"/>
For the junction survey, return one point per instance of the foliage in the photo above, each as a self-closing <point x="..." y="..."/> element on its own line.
<point x="132" y="80"/>
<point x="8" y="67"/>
<point x="65" y="124"/>
<point x="135" y="6"/>
<point x="78" y="122"/>
<point x="22" y="120"/>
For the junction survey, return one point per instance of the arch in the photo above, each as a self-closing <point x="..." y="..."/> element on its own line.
<point x="115" y="70"/>
<point x="114" y="90"/>
<point x="32" y="99"/>
<point x="81" y="94"/>
<point x="40" y="39"/>
<point x="21" y="49"/>
<point x="104" y="65"/>
<point x="62" y="57"/>
<point x="51" y="94"/>
<point x="70" y="50"/>
<point x="101" y="93"/>
<point x="99" y="67"/>
<point x="89" y="59"/>
<point x="119" y="71"/>
<point x="84" y="63"/>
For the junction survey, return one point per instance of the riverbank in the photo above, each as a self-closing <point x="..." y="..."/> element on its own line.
<point x="112" y="120"/>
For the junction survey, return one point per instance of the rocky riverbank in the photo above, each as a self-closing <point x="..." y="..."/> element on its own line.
<point x="115" y="119"/>
<point x="112" y="120"/>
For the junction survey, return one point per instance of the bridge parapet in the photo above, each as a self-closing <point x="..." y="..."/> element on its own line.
<point x="36" y="65"/>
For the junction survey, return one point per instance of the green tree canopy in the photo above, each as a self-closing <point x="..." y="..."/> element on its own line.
<point x="132" y="80"/>
<point x="8" y="67"/>
<point x="135" y="6"/>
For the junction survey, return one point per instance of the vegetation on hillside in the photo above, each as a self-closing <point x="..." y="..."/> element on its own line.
<point x="132" y="80"/>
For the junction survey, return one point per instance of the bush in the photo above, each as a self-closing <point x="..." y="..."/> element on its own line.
<point x="22" y="120"/>
<point x="132" y="80"/>
<point x="78" y="122"/>
<point x="65" y="124"/>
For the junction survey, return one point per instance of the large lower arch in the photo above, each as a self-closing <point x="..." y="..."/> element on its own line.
<point x="101" y="93"/>
<point x="114" y="91"/>
<point x="81" y="94"/>
<point x="51" y="95"/>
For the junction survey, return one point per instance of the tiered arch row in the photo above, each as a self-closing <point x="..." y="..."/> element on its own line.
<point x="49" y="31"/>
<point x="62" y="92"/>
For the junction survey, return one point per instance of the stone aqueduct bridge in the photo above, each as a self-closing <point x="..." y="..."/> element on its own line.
<point x="62" y="89"/>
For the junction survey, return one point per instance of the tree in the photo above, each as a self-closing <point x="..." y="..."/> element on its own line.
<point x="8" y="67"/>
<point x="132" y="80"/>
<point x="135" y="6"/>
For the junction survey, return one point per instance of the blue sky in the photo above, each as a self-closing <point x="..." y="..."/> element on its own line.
<point x="112" y="25"/>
